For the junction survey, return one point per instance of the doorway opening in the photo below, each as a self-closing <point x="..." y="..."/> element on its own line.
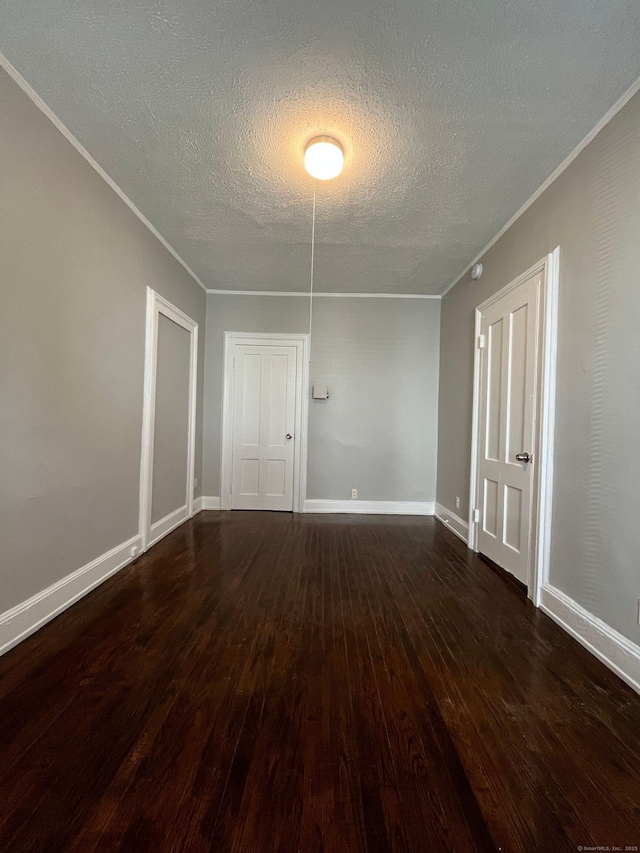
<point x="167" y="469"/>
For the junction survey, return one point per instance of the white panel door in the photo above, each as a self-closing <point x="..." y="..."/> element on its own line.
<point x="509" y="330"/>
<point x="264" y="411"/>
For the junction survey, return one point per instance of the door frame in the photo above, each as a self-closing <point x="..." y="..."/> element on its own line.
<point x="157" y="305"/>
<point x="544" y="420"/>
<point x="301" y="342"/>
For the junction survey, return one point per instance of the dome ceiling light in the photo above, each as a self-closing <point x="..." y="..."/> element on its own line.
<point x="323" y="158"/>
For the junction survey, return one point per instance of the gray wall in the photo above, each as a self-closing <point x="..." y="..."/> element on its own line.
<point x="74" y="264"/>
<point x="171" y="422"/>
<point x="379" y="357"/>
<point x="593" y="213"/>
<point x="237" y="314"/>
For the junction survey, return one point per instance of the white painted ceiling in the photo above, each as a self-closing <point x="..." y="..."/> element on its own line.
<point x="451" y="112"/>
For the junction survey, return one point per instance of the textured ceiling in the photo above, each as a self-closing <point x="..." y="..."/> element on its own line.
<point x="451" y="113"/>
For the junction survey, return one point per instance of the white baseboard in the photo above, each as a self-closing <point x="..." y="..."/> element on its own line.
<point x="25" y="618"/>
<point x="163" y="527"/>
<point x="371" y="507"/>
<point x="197" y="505"/>
<point x="210" y="503"/>
<point x="455" y="524"/>
<point x="612" y="648"/>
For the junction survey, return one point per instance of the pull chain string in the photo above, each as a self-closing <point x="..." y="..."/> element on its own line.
<point x="313" y="252"/>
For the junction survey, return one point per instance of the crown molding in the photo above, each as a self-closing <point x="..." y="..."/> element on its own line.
<point x="64" y="130"/>
<point x="324" y="295"/>
<point x="604" y="121"/>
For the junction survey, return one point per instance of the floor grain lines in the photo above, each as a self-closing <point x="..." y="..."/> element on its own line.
<point x="275" y="683"/>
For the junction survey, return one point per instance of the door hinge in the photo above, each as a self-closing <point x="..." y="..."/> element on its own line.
<point x="481" y="341"/>
<point x="234" y="363"/>
<point x="476" y="515"/>
<point x="230" y="488"/>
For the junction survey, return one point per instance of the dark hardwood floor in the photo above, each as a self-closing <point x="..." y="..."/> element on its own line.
<point x="267" y="682"/>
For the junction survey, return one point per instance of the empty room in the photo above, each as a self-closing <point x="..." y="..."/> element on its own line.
<point x="319" y="411"/>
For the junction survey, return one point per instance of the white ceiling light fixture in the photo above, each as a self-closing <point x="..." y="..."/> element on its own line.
<point x="323" y="158"/>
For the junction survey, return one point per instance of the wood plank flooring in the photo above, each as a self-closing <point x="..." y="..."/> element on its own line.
<point x="268" y="682"/>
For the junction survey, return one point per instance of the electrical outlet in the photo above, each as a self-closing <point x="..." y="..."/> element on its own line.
<point x="354" y="494"/>
<point x="195" y="482"/>
<point x="457" y="502"/>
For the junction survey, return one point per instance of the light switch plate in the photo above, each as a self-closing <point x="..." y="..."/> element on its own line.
<point x="320" y="392"/>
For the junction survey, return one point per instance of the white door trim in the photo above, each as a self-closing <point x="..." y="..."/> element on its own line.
<point x="157" y="305"/>
<point x="538" y="572"/>
<point x="301" y="341"/>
